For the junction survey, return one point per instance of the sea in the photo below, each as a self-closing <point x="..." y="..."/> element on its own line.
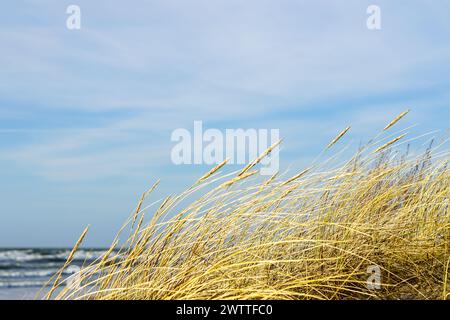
<point x="24" y="271"/>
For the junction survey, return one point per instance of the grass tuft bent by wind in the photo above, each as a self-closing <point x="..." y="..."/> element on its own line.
<point x="310" y="235"/>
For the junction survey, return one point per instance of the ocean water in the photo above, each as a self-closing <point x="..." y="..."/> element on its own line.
<point x="23" y="272"/>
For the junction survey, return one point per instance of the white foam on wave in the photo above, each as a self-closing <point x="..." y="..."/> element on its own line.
<point x="19" y="255"/>
<point x="33" y="255"/>
<point x="21" y="284"/>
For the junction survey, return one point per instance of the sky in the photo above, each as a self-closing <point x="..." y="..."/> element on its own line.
<point x="86" y="115"/>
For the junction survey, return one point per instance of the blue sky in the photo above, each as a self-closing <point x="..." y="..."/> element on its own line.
<point x="86" y="115"/>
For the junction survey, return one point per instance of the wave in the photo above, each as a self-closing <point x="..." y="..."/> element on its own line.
<point x="21" y="284"/>
<point x="14" y="273"/>
<point x="27" y="255"/>
<point x="21" y="268"/>
<point x="27" y="274"/>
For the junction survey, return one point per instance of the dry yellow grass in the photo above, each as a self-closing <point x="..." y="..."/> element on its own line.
<point x="308" y="236"/>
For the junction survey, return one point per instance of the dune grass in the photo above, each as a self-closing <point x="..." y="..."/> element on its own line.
<point x="313" y="234"/>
